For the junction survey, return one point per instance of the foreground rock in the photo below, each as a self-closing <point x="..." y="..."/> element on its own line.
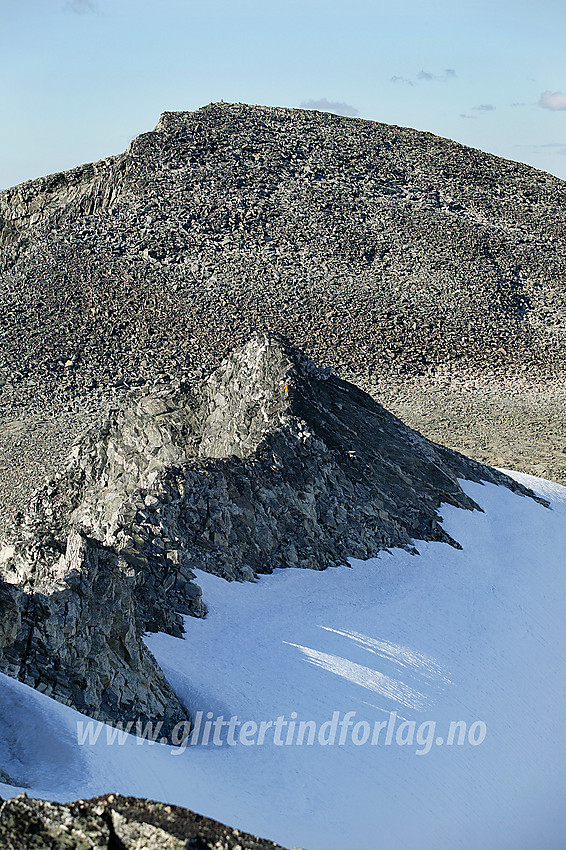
<point x="115" y="823"/>
<point x="269" y="462"/>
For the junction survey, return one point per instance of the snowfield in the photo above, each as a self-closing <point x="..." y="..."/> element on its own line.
<point x="385" y="654"/>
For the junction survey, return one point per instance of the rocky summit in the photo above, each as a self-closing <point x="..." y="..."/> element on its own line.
<point x="386" y="248"/>
<point x="428" y="273"/>
<point x="270" y="461"/>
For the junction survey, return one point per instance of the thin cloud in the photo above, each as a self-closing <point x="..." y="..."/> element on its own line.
<point x="553" y="100"/>
<point x="519" y="104"/>
<point x="484" y="107"/>
<point x="324" y="105"/>
<point x="424" y="77"/>
<point x="557" y="147"/>
<point x="80" y="7"/>
<point x="447" y="74"/>
<point x="472" y="117"/>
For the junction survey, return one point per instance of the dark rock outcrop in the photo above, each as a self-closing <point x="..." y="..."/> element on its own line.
<point x="115" y="823"/>
<point x="269" y="462"/>
<point x="74" y="632"/>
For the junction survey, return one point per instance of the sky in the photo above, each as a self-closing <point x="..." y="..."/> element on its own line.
<point x="79" y="79"/>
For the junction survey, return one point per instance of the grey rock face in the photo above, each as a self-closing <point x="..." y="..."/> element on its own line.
<point x="73" y="632"/>
<point x="115" y="823"/>
<point x="269" y="462"/>
<point x="10" y="614"/>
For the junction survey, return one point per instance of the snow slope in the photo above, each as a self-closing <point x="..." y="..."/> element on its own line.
<point x="471" y="635"/>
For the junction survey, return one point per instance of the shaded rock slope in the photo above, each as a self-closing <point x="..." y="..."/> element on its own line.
<point x="379" y="248"/>
<point x="270" y="461"/>
<point x="115" y="823"/>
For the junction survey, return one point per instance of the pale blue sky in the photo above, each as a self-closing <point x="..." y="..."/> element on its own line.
<point x="81" y="78"/>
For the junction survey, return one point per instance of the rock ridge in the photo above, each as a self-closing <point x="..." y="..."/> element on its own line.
<point x="270" y="461"/>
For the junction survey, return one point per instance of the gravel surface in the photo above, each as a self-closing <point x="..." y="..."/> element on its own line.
<point x="510" y="425"/>
<point x="33" y="445"/>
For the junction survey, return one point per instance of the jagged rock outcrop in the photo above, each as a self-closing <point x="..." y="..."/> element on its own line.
<point x="89" y="189"/>
<point x="74" y="632"/>
<point x="269" y="462"/>
<point x="115" y="823"/>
